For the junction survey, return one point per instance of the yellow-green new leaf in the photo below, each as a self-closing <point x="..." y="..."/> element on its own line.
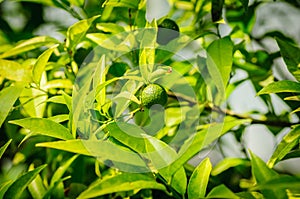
<point x="199" y="180"/>
<point x="40" y="65"/>
<point x="13" y="70"/>
<point x="281" y="86"/>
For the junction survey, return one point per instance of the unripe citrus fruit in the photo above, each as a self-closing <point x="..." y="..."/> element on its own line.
<point x="153" y="94"/>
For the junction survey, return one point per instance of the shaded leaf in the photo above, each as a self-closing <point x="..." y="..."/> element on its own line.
<point x="280" y="182"/>
<point x="199" y="180"/>
<point x="122" y="3"/>
<point x="221" y="191"/>
<point x="4" y="147"/>
<point x="216" y="9"/>
<point x="281" y="86"/>
<point x="36" y="187"/>
<point x="288" y="142"/>
<point x="121" y="182"/>
<point x="8" y="97"/>
<point x="17" y="187"/>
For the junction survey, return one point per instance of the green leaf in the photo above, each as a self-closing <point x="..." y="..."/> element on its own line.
<point x="105" y="150"/>
<point x="43" y="126"/>
<point x="30" y="44"/>
<point x="281" y="182"/>
<point x="110" y="27"/>
<point x="221" y="191"/>
<point x="121" y="182"/>
<point x="40" y="65"/>
<point x="61" y="170"/>
<point x="199" y="180"/>
<point x="179" y="181"/>
<point x="122" y="3"/>
<point x="4" y="147"/>
<point x="281" y="86"/>
<point x="77" y="31"/>
<point x="202" y="139"/>
<point x="262" y="174"/>
<point x="291" y="56"/>
<point x="8" y="97"/>
<point x="17" y="187"/>
<point x="36" y="187"/>
<point x="59" y="83"/>
<point x="219" y="62"/>
<point x="4" y="186"/>
<point x="99" y="78"/>
<point x="12" y="70"/>
<point x="227" y="163"/>
<point x="216" y="9"/>
<point x="288" y="142"/>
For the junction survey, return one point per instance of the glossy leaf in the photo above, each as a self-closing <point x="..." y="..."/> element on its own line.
<point x="110" y="27"/>
<point x="281" y="182"/>
<point x="121" y="182"/>
<point x="8" y="97"/>
<point x="29" y="44"/>
<point x="36" y="187"/>
<point x="105" y="150"/>
<point x="4" y="147"/>
<point x="13" y="70"/>
<point x="99" y="78"/>
<point x="219" y="62"/>
<point x="4" y="186"/>
<point x="17" y="187"/>
<point x="288" y="142"/>
<point x="40" y="65"/>
<point x="262" y="174"/>
<point x="291" y="56"/>
<point x="199" y="180"/>
<point x="59" y="83"/>
<point x="221" y="191"/>
<point x="123" y="3"/>
<point x="43" y="126"/>
<point x="77" y="31"/>
<point x="281" y="86"/>
<point x="227" y="163"/>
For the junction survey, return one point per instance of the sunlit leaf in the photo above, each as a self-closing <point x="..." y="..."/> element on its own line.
<point x="77" y="31"/>
<point x="59" y="83"/>
<point x="8" y="97"/>
<point x="110" y="27"/>
<point x="280" y="182"/>
<point x="17" y="187"/>
<point x="227" y="163"/>
<point x="40" y="65"/>
<point x="43" y="126"/>
<point x="12" y="70"/>
<point x="30" y="44"/>
<point x="221" y="191"/>
<point x="122" y="3"/>
<point x="36" y="187"/>
<point x="199" y="180"/>
<point x="288" y="142"/>
<point x="281" y="86"/>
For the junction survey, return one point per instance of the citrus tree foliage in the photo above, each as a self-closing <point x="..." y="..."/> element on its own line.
<point x="120" y="106"/>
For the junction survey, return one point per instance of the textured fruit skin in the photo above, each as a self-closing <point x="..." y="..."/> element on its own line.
<point x="153" y="94"/>
<point x="167" y="31"/>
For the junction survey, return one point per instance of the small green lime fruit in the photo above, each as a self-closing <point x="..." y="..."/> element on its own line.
<point x="153" y="94"/>
<point x="167" y="31"/>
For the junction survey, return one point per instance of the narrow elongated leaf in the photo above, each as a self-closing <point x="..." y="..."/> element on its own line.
<point x="77" y="31"/>
<point x="199" y="180"/>
<point x="4" y="147"/>
<point x="123" y="3"/>
<point x="262" y="174"/>
<point x="291" y="56"/>
<point x="219" y="62"/>
<point x="36" y="187"/>
<point x="122" y="182"/>
<point x="40" y="65"/>
<point x="104" y="150"/>
<point x="61" y="170"/>
<point x="16" y="189"/>
<point x="13" y="70"/>
<point x="43" y="126"/>
<point x="221" y="191"/>
<point x="281" y="86"/>
<point x="30" y="44"/>
<point x="202" y="139"/>
<point x="99" y="78"/>
<point x="8" y="97"/>
<point x="288" y="142"/>
<point x="227" y="163"/>
<point x="4" y="186"/>
<point x="281" y="182"/>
